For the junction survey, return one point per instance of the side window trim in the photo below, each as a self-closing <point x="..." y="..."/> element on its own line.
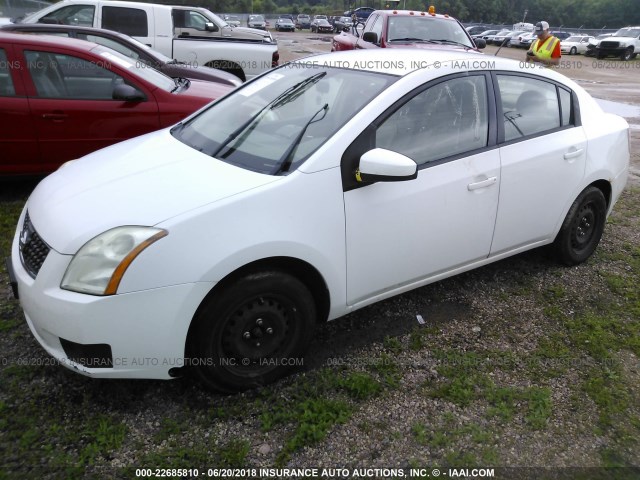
<point x="575" y="108"/>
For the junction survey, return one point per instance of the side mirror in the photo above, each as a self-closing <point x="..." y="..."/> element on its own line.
<point x="381" y="165"/>
<point x="210" y="27"/>
<point x="371" y="37"/>
<point x="127" y="93"/>
<point x="480" y="43"/>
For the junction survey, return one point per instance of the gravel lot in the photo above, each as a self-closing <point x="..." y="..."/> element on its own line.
<point x="522" y="363"/>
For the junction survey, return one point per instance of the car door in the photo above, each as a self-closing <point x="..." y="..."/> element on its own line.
<point x="18" y="144"/>
<point x="543" y="156"/>
<point x="400" y="233"/>
<point x="375" y="25"/>
<point x="70" y="97"/>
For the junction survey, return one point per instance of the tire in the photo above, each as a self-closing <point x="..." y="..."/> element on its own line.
<point x="582" y="227"/>
<point x="251" y="332"/>
<point x="627" y="54"/>
<point x="573" y="51"/>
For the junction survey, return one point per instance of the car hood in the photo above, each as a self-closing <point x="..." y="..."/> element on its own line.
<point x="142" y="181"/>
<point x="619" y="39"/>
<point x="251" y="33"/>
<point x="429" y="46"/>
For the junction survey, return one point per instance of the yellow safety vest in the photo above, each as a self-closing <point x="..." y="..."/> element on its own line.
<point x="547" y="49"/>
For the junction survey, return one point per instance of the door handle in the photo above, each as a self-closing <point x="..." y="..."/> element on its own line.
<point x="56" y="117"/>
<point x="482" y="183"/>
<point x="573" y="154"/>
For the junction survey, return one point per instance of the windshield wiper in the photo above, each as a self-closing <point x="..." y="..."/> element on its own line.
<point x="287" y="158"/>
<point x="289" y="95"/>
<point x="409" y="39"/>
<point x="452" y="42"/>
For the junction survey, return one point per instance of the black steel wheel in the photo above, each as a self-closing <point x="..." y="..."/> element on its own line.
<point x="582" y="228"/>
<point x="252" y="332"/>
<point x="627" y="54"/>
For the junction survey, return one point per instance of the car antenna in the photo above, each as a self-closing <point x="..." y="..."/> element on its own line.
<point x="504" y="42"/>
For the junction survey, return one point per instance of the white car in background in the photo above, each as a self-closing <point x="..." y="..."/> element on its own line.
<point x="216" y="246"/>
<point x="576" y="44"/>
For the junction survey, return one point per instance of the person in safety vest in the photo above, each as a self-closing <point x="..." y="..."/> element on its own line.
<point x="546" y="49"/>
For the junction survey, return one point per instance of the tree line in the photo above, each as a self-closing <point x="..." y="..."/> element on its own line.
<point x="590" y="14"/>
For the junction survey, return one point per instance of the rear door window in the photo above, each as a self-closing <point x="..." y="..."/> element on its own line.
<point x="130" y="21"/>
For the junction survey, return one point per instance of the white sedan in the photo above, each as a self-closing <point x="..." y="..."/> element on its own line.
<point x="318" y="188"/>
<point x="576" y="44"/>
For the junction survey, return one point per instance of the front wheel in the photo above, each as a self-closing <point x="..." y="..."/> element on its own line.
<point x="582" y="227"/>
<point x="627" y="54"/>
<point x="252" y="332"/>
<point x="573" y="51"/>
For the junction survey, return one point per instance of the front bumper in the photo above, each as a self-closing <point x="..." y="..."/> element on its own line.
<point x="134" y="335"/>
<point x="609" y="52"/>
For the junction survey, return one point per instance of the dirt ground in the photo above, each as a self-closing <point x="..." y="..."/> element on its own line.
<point x="608" y="79"/>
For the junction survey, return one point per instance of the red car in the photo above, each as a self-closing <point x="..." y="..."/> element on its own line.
<point x="62" y="98"/>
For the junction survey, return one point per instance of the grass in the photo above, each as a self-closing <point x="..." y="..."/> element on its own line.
<point x="471" y="396"/>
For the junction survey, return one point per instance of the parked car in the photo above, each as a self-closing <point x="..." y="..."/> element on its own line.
<point x="232" y="20"/>
<point x="130" y="47"/>
<point x="491" y="39"/>
<point x="561" y="35"/>
<point x="175" y="247"/>
<point x="74" y="97"/>
<point x="402" y="29"/>
<point x="484" y="35"/>
<point x="361" y="13"/>
<point x="524" y="40"/>
<point x="475" y="29"/>
<point x="342" y="24"/>
<point x="320" y="25"/>
<point x="625" y="44"/>
<point x="506" y="40"/>
<point x="285" y="24"/>
<point x="575" y="44"/>
<point x="257" y="21"/>
<point x="303" y="21"/>
<point x="188" y="34"/>
<point x="591" y="52"/>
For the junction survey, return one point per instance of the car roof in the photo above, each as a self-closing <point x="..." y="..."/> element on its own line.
<point x="46" y="40"/>
<point x="413" y="13"/>
<point x="36" y="27"/>
<point x="403" y="62"/>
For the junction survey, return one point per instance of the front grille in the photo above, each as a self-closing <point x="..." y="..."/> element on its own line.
<point x="33" y="250"/>
<point x="605" y="44"/>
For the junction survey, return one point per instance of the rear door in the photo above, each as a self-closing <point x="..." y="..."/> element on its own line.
<point x="543" y="157"/>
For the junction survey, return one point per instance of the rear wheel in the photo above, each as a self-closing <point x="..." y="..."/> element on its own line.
<point x="252" y="332"/>
<point x="582" y="227"/>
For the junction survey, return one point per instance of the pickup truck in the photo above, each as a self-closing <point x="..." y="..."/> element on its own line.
<point x="402" y="28"/>
<point x="625" y="43"/>
<point x="192" y="35"/>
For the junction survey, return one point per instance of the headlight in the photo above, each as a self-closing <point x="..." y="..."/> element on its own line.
<point x="99" y="265"/>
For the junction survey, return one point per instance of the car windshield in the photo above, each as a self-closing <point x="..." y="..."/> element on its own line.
<point x="573" y="39"/>
<point x="628" y="32"/>
<point x="257" y="18"/>
<point x="272" y="124"/>
<point x="416" y="29"/>
<point x="137" y="68"/>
